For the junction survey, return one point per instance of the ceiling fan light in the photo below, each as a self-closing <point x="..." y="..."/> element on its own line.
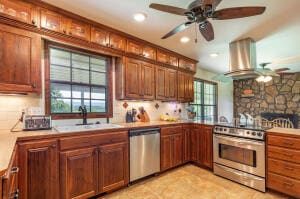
<point x="140" y="17"/>
<point x="267" y="78"/>
<point x="263" y="78"/>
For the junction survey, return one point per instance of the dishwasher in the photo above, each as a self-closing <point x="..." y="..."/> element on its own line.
<point x="144" y="152"/>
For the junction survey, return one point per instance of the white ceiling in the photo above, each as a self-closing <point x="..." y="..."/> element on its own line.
<point x="277" y="31"/>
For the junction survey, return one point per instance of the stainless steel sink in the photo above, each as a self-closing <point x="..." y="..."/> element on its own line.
<point x="65" y="129"/>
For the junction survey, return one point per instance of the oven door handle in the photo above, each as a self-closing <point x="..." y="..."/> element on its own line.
<point x="240" y="141"/>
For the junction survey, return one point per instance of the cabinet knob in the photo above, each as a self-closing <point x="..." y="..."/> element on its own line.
<point x="70" y="33"/>
<point x="64" y="31"/>
<point x="111" y="45"/>
<point x="288" y="184"/>
<point x="33" y="85"/>
<point x="33" y="21"/>
<point x="53" y="145"/>
<point x="14" y="170"/>
<point x="107" y="44"/>
<point x="95" y="152"/>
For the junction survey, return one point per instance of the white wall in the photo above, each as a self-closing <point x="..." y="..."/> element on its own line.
<point x="225" y="94"/>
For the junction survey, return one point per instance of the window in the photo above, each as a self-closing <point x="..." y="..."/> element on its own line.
<point x="205" y="100"/>
<point x="77" y="78"/>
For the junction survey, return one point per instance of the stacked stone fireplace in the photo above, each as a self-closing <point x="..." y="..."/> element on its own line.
<point x="279" y="96"/>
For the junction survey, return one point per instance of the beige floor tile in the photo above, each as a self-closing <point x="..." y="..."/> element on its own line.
<point x="189" y="182"/>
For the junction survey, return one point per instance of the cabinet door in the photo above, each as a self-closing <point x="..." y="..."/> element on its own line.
<point x="19" y="11"/>
<point x="20" y="60"/>
<point x="147" y="86"/>
<point x="165" y="152"/>
<point x="190" y="66"/>
<point x="117" y="42"/>
<point x="113" y="166"/>
<point x="181" y="63"/>
<point x="163" y="57"/>
<point x="132" y="78"/>
<point x="161" y="83"/>
<point x="189" y="88"/>
<point x="149" y="52"/>
<point x="173" y="60"/>
<point x="53" y="21"/>
<point x="134" y="48"/>
<point x="186" y="143"/>
<point x="195" y="144"/>
<point x="79" y="29"/>
<point x="172" y="85"/>
<point x="100" y="36"/>
<point x="177" y="150"/>
<point x="79" y="173"/>
<point x="206" y="147"/>
<point x="39" y="170"/>
<point x="181" y="86"/>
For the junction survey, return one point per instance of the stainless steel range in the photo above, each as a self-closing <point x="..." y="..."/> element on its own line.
<point x="239" y="155"/>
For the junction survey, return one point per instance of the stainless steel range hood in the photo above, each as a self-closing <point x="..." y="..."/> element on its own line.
<point x="242" y="59"/>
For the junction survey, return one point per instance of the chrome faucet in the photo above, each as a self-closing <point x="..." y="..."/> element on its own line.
<point x="83" y="113"/>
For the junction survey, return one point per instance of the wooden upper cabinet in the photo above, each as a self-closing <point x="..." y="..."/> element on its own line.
<point x="163" y="57"/>
<point x="19" y="11"/>
<point x="187" y="65"/>
<point x="181" y="86"/>
<point x="161" y="83"/>
<point x="149" y="52"/>
<point x="53" y="21"/>
<point x="79" y="173"/>
<point x="20" y="60"/>
<point x="117" y="42"/>
<point x="113" y="166"/>
<point x="132" y="78"/>
<point x="39" y="166"/>
<point x="172" y="85"/>
<point x="173" y="60"/>
<point x="100" y="36"/>
<point x="134" y="48"/>
<point x="147" y="84"/>
<point x="78" y="29"/>
<point x="189" y="88"/>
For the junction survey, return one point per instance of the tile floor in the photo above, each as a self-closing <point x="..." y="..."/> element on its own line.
<point x="189" y="182"/>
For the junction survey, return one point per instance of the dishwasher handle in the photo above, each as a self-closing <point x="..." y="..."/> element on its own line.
<point x="140" y="132"/>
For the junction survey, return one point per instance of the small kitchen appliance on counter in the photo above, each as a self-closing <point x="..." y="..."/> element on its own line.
<point x="36" y="122"/>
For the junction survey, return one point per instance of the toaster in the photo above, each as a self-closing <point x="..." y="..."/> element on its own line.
<point x="36" y="122"/>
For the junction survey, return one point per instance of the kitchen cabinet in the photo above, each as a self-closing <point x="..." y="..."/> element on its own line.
<point x="38" y="161"/>
<point x="20" y="61"/>
<point x="167" y="58"/>
<point x="171" y="147"/>
<point x="78" y="29"/>
<point x="10" y="179"/>
<point x="195" y="142"/>
<point x="139" y="80"/>
<point x="79" y="173"/>
<point x="283" y="163"/>
<point x="19" y="11"/>
<point x="140" y="49"/>
<point x="166" y="84"/>
<point x="206" y="146"/>
<point x="113" y="166"/>
<point x="53" y="21"/>
<point x="187" y="65"/>
<point x="185" y="86"/>
<point x="186" y="132"/>
<point x="108" y="39"/>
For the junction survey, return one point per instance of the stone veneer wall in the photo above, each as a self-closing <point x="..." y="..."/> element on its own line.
<point x="280" y="95"/>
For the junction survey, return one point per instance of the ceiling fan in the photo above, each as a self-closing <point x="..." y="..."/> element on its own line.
<point x="267" y="71"/>
<point x="200" y="11"/>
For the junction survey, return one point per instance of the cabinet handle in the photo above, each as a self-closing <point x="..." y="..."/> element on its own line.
<point x="95" y="152"/>
<point x="288" y="155"/>
<point x="288" y="143"/>
<point x="70" y="33"/>
<point x="64" y="31"/>
<point x="111" y="45"/>
<point x="33" y="21"/>
<point x="53" y="145"/>
<point x="107" y="44"/>
<point x="14" y="194"/>
<point x="288" y="184"/>
<point x="289" y="168"/>
<point x="14" y="170"/>
<point x="33" y="85"/>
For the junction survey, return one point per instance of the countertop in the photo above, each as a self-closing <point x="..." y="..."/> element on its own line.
<point x="293" y="132"/>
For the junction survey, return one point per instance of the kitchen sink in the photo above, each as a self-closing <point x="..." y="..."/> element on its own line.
<point x="65" y="129"/>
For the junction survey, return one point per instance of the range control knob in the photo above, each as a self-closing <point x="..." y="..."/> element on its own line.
<point x="225" y="129"/>
<point x="259" y="134"/>
<point x="253" y="133"/>
<point x="248" y="132"/>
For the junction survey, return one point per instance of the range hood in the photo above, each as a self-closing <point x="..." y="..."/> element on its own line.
<point x="242" y="60"/>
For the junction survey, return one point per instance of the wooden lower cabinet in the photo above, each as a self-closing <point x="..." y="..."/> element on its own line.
<point x="79" y="173"/>
<point x="186" y="133"/>
<point x="195" y="142"/>
<point x="113" y="166"/>
<point x="171" y="147"/>
<point x="38" y="177"/>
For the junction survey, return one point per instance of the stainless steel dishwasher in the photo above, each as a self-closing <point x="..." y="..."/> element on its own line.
<point x="144" y="152"/>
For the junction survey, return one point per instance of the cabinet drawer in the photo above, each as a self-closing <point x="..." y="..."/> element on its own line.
<point x="287" y="142"/>
<point x="284" y="168"/>
<point x="284" y="154"/>
<point x="165" y="131"/>
<point x="284" y="184"/>
<point x="93" y="140"/>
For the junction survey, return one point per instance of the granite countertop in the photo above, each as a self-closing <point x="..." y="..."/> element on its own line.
<point x="295" y="132"/>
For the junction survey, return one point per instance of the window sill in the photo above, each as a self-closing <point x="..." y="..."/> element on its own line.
<point x="78" y="116"/>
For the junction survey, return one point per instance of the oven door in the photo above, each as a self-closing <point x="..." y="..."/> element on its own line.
<point x="239" y="153"/>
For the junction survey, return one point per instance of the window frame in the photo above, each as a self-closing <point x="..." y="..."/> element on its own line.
<point x="108" y="114"/>
<point x="203" y="105"/>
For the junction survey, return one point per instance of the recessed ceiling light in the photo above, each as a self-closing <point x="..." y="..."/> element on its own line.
<point x="214" y="54"/>
<point x="184" y="39"/>
<point x="140" y="16"/>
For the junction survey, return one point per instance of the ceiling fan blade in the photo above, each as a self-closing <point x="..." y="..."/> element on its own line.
<point x="238" y="12"/>
<point x="214" y="3"/>
<point x="195" y="4"/>
<point x="279" y="70"/>
<point x="177" y="29"/>
<point x="207" y="30"/>
<point x="169" y="9"/>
